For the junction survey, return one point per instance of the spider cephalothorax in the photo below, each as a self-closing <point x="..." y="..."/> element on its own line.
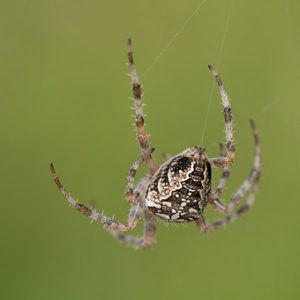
<point x="179" y="190"/>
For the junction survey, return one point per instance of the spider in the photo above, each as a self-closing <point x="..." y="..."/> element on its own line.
<point x="179" y="189"/>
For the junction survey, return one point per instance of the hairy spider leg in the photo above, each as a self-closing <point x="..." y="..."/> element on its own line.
<point x="139" y="242"/>
<point x="92" y="213"/>
<point x="141" y="134"/>
<point x="221" y="162"/>
<point x="231" y="217"/>
<point x="252" y="180"/>
<point x="252" y="177"/>
<point x="224" y="177"/>
<point x="132" y="195"/>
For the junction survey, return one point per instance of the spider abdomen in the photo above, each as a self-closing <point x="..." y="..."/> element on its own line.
<point x="180" y="188"/>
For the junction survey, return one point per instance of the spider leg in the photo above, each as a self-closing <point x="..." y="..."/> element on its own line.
<point x="166" y="156"/>
<point x="142" y="137"/>
<point x="139" y="242"/>
<point x="131" y="195"/>
<point x="231" y="217"/>
<point x="216" y="203"/>
<point x="221" y="162"/>
<point x="224" y="178"/>
<point x="246" y="185"/>
<point x="92" y="213"/>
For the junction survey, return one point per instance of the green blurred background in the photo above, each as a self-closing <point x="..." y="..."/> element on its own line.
<point x="64" y="98"/>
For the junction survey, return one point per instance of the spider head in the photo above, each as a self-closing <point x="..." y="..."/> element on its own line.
<point x="197" y="154"/>
<point x="192" y="156"/>
<point x="197" y="157"/>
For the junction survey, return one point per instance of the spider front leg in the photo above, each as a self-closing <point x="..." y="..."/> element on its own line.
<point x="93" y="214"/>
<point x="221" y="162"/>
<point x="141" y="134"/>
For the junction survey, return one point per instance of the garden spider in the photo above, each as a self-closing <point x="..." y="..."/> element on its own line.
<point x="179" y="189"/>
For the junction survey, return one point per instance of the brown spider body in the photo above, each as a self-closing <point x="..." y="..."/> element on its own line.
<point x="180" y="189"/>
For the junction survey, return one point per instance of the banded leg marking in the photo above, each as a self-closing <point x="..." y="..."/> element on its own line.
<point x="246" y="185"/>
<point x="221" y="162"/>
<point x="93" y="214"/>
<point x="141" y="134"/>
<point x="224" y="178"/>
<point x="231" y="217"/>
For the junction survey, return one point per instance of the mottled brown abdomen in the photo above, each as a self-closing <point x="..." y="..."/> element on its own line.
<point x="180" y="189"/>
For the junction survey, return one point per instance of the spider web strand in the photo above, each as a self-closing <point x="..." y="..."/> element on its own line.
<point x="218" y="64"/>
<point x="172" y="40"/>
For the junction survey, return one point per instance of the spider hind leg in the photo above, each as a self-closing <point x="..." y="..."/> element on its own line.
<point x="139" y="242"/>
<point x="251" y="181"/>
